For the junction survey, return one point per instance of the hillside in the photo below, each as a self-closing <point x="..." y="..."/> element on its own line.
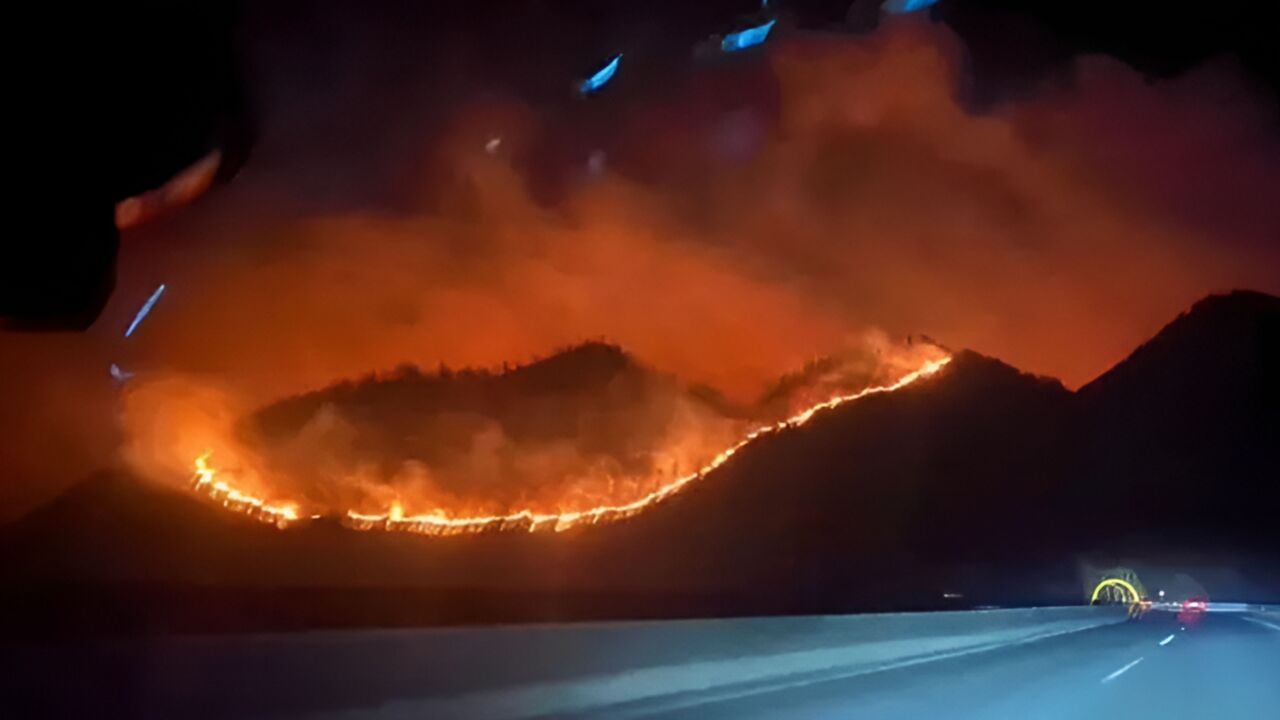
<point x="981" y="477"/>
<point x="1181" y="435"/>
<point x="495" y="439"/>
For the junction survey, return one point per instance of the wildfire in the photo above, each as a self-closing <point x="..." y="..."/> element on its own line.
<point x="439" y="522"/>
<point x="206" y="482"/>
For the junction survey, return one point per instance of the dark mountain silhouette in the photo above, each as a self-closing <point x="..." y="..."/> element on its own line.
<point x="982" y="480"/>
<point x="586" y="382"/>
<point x="496" y="436"/>
<point x="1182" y="435"/>
<point x="986" y="471"/>
<point x="857" y="505"/>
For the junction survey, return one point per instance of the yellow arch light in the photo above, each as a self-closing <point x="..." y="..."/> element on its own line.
<point x="1116" y="582"/>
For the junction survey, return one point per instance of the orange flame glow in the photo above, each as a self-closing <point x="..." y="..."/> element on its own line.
<point x="206" y="481"/>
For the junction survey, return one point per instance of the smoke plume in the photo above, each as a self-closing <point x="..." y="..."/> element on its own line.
<point x="728" y="227"/>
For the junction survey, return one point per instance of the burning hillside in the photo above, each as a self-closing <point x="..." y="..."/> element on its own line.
<point x="585" y="436"/>
<point x="947" y="469"/>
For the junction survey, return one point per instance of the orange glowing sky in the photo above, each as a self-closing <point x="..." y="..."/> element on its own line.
<point x="789" y="206"/>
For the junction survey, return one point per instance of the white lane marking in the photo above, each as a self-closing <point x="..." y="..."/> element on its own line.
<point x="1263" y="623"/>
<point x="1121" y="671"/>
<point x="1166" y="641"/>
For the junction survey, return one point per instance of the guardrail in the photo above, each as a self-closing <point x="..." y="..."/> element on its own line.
<point x="1216" y="607"/>
<point x="1271" y="612"/>
<point x="523" y="671"/>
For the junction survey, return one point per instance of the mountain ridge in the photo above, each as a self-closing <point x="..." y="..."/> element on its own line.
<point x="982" y="470"/>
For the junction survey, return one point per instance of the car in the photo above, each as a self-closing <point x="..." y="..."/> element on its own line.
<point x="1193" y="610"/>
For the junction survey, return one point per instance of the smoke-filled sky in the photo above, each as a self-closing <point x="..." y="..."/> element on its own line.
<point x="723" y="219"/>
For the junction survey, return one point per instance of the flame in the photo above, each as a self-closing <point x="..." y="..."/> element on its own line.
<point x="207" y="482"/>
<point x="440" y="522"/>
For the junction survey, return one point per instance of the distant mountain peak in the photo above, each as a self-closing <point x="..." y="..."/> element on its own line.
<point x="1216" y="338"/>
<point x="1235" y="301"/>
<point x="571" y="370"/>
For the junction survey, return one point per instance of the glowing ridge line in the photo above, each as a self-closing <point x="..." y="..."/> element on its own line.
<point x="439" y="523"/>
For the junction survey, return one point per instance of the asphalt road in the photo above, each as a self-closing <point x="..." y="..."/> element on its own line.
<point x="1224" y="667"/>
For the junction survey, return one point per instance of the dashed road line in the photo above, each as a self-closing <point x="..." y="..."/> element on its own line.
<point x="1166" y="641"/>
<point x="1121" y="671"/>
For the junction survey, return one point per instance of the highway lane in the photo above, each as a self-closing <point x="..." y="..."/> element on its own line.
<point x="1223" y="667"/>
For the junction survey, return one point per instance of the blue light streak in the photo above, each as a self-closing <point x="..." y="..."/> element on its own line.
<point x="744" y="39"/>
<point x="602" y="76"/>
<point x="146" y="309"/>
<point x="898" y="7"/>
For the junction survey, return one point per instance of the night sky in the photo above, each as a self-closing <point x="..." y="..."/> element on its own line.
<point x="722" y="218"/>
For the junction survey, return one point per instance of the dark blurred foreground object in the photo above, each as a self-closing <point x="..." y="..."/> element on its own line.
<point x="135" y="97"/>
